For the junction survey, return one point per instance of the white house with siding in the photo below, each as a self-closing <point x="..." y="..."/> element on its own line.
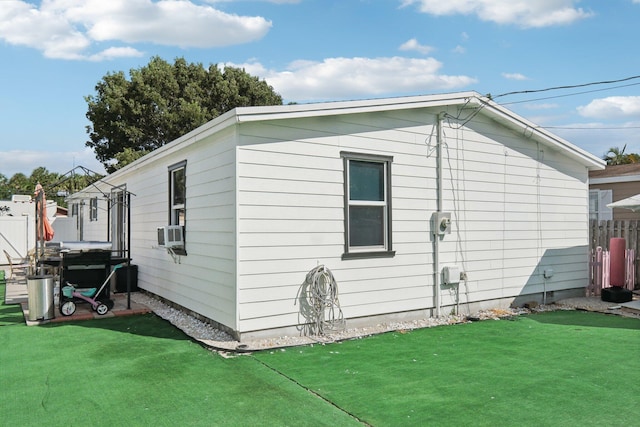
<point x="265" y="194"/>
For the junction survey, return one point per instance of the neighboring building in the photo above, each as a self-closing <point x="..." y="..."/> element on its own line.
<point x="265" y="194"/>
<point x="610" y="185"/>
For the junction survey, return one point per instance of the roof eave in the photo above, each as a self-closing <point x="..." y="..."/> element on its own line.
<point x="470" y="98"/>
<point x="514" y="121"/>
<point x="252" y="114"/>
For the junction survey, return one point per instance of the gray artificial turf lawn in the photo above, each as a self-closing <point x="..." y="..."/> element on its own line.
<point x="559" y="368"/>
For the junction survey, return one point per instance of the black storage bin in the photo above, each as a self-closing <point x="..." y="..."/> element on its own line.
<point x="616" y="294"/>
<point x="121" y="278"/>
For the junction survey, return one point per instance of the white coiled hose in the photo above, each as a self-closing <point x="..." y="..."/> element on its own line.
<point x="322" y="296"/>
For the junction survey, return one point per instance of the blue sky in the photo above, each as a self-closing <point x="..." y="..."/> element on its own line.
<point x="54" y="52"/>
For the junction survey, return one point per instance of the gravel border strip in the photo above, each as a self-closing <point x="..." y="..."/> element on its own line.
<point x="221" y="341"/>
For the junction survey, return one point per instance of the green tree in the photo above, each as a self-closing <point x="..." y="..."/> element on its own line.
<point x="5" y="192"/>
<point x="616" y="156"/>
<point x="162" y="101"/>
<point x="128" y="155"/>
<point x="19" y="184"/>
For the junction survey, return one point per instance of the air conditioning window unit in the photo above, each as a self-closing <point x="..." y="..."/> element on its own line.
<point x="171" y="236"/>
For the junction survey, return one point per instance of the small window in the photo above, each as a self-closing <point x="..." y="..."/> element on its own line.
<point x="367" y="188"/>
<point x="178" y="200"/>
<point x="74" y="209"/>
<point x="93" y="209"/>
<point x="178" y="193"/>
<point x="598" y="201"/>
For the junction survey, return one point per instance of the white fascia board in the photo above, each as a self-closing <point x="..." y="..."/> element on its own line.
<point x="470" y="99"/>
<point x="253" y="114"/>
<point x="615" y="179"/>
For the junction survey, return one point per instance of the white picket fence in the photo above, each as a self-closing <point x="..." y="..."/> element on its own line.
<point x="600" y="270"/>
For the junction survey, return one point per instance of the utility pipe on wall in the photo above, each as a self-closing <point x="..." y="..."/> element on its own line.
<point x="436" y="236"/>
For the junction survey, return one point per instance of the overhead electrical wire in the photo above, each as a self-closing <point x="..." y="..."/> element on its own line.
<point x="568" y="94"/>
<point x="603" y="82"/>
<point x="476" y="110"/>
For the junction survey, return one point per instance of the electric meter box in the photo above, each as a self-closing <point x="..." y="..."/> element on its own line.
<point x="451" y="275"/>
<point x="441" y="223"/>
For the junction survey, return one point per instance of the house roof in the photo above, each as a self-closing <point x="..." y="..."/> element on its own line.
<point x="615" y="174"/>
<point x="468" y="100"/>
<point x="616" y="170"/>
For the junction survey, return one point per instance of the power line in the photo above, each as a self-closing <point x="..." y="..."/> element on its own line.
<point x="569" y="94"/>
<point x="603" y="82"/>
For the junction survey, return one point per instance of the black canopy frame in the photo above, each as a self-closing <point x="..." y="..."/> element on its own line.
<point x="70" y="176"/>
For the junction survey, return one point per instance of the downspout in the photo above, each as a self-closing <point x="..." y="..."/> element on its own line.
<point x="436" y="235"/>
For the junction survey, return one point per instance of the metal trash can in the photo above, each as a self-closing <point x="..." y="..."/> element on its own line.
<point x="40" y="293"/>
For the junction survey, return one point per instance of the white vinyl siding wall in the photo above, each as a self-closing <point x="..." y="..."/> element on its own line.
<point x="516" y="210"/>
<point x="265" y="205"/>
<point x="93" y="230"/>
<point x="204" y="279"/>
<point x="291" y="208"/>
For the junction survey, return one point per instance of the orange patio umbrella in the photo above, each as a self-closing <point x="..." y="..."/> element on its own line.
<point x="44" y="231"/>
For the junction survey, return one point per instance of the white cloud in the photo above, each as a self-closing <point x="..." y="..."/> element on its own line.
<point x="523" y="13"/>
<point x="414" y="45"/>
<point x="66" y="29"/>
<point x="514" y="76"/>
<point x="613" y="107"/>
<point x="116" y="52"/>
<point x="343" y="78"/>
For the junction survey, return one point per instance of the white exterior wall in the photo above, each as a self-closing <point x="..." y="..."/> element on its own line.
<point x="95" y="230"/>
<point x="516" y="211"/>
<point x="265" y="205"/>
<point x="203" y="280"/>
<point x="518" y="208"/>
<point x="66" y="229"/>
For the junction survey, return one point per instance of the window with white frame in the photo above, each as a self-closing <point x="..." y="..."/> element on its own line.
<point x="367" y="190"/>
<point x="598" y="201"/>
<point x="177" y="193"/>
<point x="178" y="200"/>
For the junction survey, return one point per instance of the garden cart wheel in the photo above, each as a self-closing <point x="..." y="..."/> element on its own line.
<point x="102" y="308"/>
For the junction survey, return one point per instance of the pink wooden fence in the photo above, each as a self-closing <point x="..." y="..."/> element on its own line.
<point x="601" y="232"/>
<point x="600" y="273"/>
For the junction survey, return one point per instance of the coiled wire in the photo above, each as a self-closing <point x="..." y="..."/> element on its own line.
<point x="322" y="298"/>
